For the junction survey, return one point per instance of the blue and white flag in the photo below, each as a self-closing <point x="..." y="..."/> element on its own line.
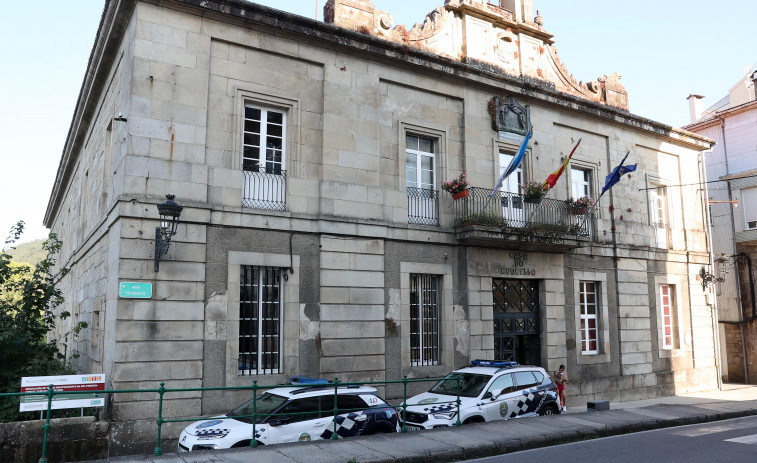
<point x="616" y="173"/>
<point x="514" y="163"/>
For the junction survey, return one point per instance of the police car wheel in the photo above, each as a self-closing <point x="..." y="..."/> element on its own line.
<point x="549" y="410"/>
<point x="474" y="419"/>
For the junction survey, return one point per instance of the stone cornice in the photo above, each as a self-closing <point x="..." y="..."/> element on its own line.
<point x="115" y="17"/>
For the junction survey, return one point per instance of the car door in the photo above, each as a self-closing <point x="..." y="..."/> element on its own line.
<point x="527" y="398"/>
<point x="299" y="420"/>
<point x="500" y="407"/>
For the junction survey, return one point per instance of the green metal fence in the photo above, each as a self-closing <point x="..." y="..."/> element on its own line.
<point x="162" y="391"/>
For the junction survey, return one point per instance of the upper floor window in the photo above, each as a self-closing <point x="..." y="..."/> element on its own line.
<point x="419" y="162"/>
<point x="264" y="158"/>
<point x="659" y="211"/>
<point x="420" y="174"/>
<point x="749" y="201"/>
<point x="512" y="202"/>
<point x="263" y="143"/>
<point x="580" y="183"/>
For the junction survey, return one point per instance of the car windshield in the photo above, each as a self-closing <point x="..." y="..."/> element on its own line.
<point x="265" y="405"/>
<point x="471" y="384"/>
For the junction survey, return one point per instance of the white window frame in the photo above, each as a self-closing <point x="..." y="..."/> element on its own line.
<point x="419" y="155"/>
<point x="669" y="316"/>
<point x="265" y="125"/>
<point x="581" y="186"/>
<point x="659" y="213"/>
<point x="603" y="342"/>
<point x="423" y="206"/>
<point x="513" y="208"/>
<point x="749" y="204"/>
<point x="586" y="318"/>
<point x="678" y="285"/>
<point x="428" y="296"/>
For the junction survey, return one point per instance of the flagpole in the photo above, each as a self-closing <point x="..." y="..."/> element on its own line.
<point x="596" y="204"/>
<point x="561" y="171"/>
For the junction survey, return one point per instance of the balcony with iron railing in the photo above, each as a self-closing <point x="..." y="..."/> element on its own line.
<point x="263" y="189"/>
<point x="512" y="220"/>
<point x="422" y="206"/>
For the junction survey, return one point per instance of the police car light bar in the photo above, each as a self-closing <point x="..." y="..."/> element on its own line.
<point x="296" y="380"/>
<point x="492" y="363"/>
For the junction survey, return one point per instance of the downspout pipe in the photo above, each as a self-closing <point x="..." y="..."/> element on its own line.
<point x="748" y="260"/>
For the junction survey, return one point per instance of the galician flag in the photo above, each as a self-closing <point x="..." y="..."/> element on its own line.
<point x="514" y="163"/>
<point x="552" y="179"/>
<point x="616" y="173"/>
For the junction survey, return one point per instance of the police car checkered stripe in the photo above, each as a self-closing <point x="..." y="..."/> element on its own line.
<point x="528" y="403"/>
<point x="440" y="408"/>
<point x="347" y="426"/>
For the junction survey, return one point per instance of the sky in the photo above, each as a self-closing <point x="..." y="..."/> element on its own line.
<point x="663" y="49"/>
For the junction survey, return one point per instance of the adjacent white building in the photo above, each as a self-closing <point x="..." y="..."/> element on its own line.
<point x="732" y="169"/>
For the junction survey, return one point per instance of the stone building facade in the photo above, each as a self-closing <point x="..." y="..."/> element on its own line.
<point x="731" y="123"/>
<point x="315" y="238"/>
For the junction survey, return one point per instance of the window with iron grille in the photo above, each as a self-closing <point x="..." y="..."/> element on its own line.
<point x="424" y="319"/>
<point x="420" y="160"/>
<point x="669" y="316"/>
<point x="260" y="307"/>
<point x="264" y="158"/>
<point x="588" y="301"/>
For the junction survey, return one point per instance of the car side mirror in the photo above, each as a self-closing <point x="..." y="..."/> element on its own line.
<point x="496" y="393"/>
<point x="280" y="421"/>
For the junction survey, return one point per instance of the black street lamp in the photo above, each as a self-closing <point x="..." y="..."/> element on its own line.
<point x="169" y="219"/>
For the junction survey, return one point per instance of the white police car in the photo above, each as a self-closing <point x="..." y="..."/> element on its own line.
<point x="291" y="414"/>
<point x="489" y="390"/>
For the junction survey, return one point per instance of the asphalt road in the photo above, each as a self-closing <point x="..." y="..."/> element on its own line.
<point x="722" y="441"/>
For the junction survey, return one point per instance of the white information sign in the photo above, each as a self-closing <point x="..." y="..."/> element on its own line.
<point x="92" y="384"/>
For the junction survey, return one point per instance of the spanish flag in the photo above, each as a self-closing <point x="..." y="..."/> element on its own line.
<point x="552" y="179"/>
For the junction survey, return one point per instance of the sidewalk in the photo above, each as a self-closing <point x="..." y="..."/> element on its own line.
<point x="495" y="438"/>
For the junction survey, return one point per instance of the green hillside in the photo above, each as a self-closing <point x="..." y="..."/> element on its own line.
<point x="31" y="252"/>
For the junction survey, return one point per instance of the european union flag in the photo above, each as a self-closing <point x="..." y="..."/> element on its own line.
<point x="616" y="173"/>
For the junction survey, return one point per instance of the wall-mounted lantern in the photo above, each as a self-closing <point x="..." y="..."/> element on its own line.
<point x="169" y="212"/>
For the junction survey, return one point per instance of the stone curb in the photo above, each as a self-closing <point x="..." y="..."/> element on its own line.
<point x="472" y="441"/>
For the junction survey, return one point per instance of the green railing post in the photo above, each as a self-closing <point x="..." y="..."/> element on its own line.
<point x="161" y="390"/>
<point x="458" y="401"/>
<point x="336" y="393"/>
<point x="404" y="403"/>
<point x="46" y="427"/>
<point x="254" y="441"/>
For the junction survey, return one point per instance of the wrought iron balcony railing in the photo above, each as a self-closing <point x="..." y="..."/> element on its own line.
<point x="264" y="190"/>
<point x="422" y="206"/>
<point x="514" y="211"/>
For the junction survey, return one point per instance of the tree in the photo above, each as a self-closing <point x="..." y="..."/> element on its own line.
<point x="29" y="301"/>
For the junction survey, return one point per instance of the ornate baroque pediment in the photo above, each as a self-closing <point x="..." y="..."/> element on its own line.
<point x="480" y="33"/>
